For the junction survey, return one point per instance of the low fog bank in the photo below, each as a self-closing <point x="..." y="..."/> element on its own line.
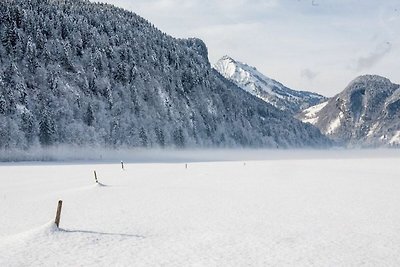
<point x="84" y="154"/>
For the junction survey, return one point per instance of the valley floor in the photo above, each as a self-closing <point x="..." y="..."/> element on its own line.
<point x="286" y="212"/>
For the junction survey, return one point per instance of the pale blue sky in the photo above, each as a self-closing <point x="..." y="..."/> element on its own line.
<point x="316" y="45"/>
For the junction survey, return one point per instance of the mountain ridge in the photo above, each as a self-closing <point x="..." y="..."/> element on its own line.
<point x="271" y="91"/>
<point x="365" y="113"/>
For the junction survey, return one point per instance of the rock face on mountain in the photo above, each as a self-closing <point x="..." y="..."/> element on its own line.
<point x="80" y="73"/>
<point x="251" y="80"/>
<point x="366" y="113"/>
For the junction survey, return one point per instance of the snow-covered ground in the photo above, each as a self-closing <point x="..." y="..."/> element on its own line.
<point x="317" y="211"/>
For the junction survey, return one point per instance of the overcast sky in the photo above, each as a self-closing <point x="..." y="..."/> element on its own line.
<point x="316" y="45"/>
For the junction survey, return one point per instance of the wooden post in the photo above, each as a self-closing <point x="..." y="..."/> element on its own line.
<point x="186" y="166"/>
<point x="95" y="177"/>
<point x="58" y="214"/>
<point x="122" y="165"/>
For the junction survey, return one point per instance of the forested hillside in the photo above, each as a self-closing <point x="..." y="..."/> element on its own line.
<point x="74" y="72"/>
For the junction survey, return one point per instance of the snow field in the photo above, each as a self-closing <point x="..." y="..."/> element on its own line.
<point x="327" y="212"/>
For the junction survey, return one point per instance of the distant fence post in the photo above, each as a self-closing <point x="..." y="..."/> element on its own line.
<point x="186" y="166"/>
<point x="122" y="165"/>
<point x="95" y="176"/>
<point x="58" y="214"/>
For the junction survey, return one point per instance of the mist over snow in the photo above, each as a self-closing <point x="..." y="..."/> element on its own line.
<point x="89" y="155"/>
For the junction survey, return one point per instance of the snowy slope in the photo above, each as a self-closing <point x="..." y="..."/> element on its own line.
<point x="263" y="213"/>
<point x="311" y="114"/>
<point x="366" y="113"/>
<point x="251" y="80"/>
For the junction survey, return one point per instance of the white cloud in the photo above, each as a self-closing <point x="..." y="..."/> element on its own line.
<point x="309" y="74"/>
<point x="366" y="62"/>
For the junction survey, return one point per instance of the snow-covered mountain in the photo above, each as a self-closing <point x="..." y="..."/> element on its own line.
<point x="251" y="80"/>
<point x="74" y="72"/>
<point x="366" y="113"/>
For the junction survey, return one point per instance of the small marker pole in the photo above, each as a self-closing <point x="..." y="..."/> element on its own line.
<point x="186" y="166"/>
<point x="58" y="214"/>
<point x="122" y="165"/>
<point x="95" y="177"/>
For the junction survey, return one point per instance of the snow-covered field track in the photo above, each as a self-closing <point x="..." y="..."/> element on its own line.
<point x="293" y="212"/>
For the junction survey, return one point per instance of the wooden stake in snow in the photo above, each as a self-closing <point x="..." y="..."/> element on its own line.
<point x="122" y="165"/>
<point x="95" y="177"/>
<point x="186" y="166"/>
<point x="58" y="214"/>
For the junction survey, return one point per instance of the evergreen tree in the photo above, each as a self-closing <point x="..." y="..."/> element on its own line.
<point x="143" y="137"/>
<point x="10" y="37"/>
<point x="179" y="139"/>
<point x="28" y="127"/>
<point x="46" y="129"/>
<point x="160" y="136"/>
<point x="3" y="104"/>
<point x="31" y="57"/>
<point x="89" y="116"/>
